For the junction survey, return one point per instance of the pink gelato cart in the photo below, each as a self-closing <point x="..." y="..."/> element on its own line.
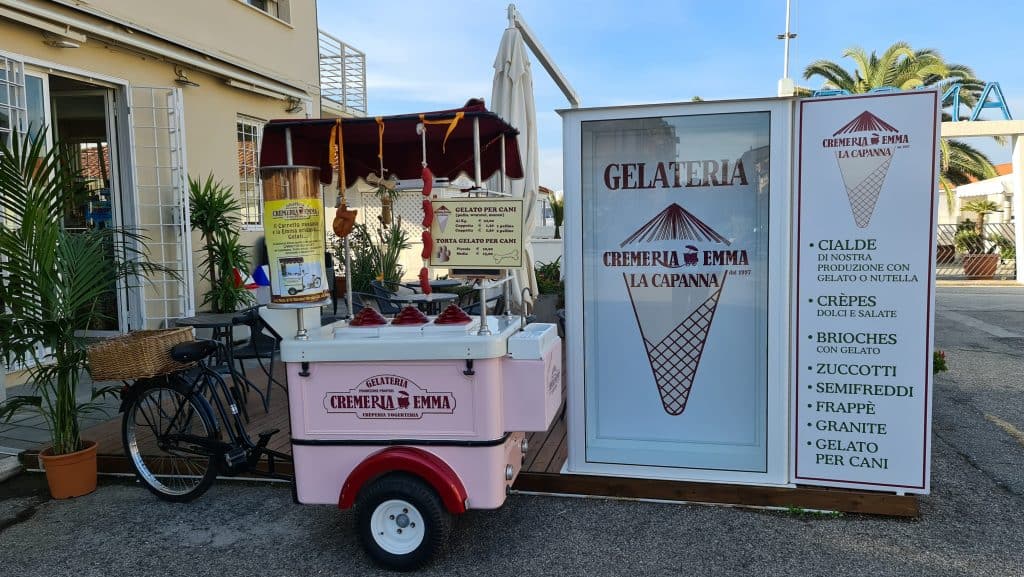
<point x="413" y="424"/>
<point x="416" y="419"/>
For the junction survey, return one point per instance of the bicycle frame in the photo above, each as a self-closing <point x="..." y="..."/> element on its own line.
<point x="239" y="453"/>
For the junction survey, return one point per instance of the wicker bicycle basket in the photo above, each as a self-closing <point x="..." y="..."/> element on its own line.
<point x="137" y="355"/>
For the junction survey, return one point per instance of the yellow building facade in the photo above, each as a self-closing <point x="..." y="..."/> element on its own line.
<point x="151" y="92"/>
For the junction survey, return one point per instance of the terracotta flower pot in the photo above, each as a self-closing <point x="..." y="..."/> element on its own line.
<point x="980" y="266"/>
<point x="71" y="475"/>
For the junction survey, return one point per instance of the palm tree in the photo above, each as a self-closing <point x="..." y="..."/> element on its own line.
<point x="51" y="280"/>
<point x="902" y="67"/>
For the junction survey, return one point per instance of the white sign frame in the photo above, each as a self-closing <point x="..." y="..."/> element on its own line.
<point x="862" y="218"/>
<point x="779" y="290"/>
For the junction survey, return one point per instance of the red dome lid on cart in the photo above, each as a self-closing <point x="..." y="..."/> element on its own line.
<point x="409" y="316"/>
<point x="368" y="317"/>
<point x="453" y="315"/>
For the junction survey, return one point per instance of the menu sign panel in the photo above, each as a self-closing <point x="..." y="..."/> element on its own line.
<point x="865" y="236"/>
<point x="477" y="232"/>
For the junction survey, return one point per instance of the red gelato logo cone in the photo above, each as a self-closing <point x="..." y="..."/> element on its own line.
<point x="864" y="149"/>
<point x="674" y="310"/>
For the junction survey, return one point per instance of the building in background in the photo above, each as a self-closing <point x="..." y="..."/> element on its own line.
<point x="150" y="92"/>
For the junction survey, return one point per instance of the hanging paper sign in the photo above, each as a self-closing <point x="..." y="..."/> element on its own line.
<point x="293" y="217"/>
<point x="477" y="232"/>
<point x="865" y="234"/>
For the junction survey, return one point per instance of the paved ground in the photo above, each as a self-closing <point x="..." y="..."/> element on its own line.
<point x="970" y="525"/>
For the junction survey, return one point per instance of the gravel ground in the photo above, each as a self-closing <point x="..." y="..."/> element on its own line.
<point x="969" y="525"/>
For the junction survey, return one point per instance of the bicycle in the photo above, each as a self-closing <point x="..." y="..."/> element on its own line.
<point x="172" y="435"/>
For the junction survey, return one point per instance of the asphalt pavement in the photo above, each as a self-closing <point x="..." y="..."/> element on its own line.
<point x="969" y="525"/>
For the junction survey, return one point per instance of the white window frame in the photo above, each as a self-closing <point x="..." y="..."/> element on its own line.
<point x="250" y="187"/>
<point x="276" y="9"/>
<point x="12" y="85"/>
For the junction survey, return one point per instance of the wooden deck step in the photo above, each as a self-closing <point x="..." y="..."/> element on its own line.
<point x="541" y="471"/>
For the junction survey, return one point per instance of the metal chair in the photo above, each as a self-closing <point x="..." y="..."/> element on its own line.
<point x="263" y="345"/>
<point x="495" y="306"/>
<point x="384" y="297"/>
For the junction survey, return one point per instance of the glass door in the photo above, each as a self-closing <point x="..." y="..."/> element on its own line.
<point x="83" y="125"/>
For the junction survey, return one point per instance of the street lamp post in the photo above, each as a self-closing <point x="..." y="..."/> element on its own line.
<point x="786" y="85"/>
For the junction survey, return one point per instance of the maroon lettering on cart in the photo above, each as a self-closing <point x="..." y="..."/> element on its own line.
<point x="389" y="397"/>
<point x="554" y="379"/>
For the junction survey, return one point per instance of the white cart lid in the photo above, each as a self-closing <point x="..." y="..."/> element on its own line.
<point x="339" y="342"/>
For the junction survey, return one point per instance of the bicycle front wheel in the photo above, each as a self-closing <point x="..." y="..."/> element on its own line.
<point x="164" y="430"/>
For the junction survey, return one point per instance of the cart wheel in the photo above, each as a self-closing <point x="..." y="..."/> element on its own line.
<point x="401" y="522"/>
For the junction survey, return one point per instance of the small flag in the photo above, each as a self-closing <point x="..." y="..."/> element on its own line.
<point x="261" y="275"/>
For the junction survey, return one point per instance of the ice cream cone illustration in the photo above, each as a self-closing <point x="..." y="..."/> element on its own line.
<point x="441" y="214"/>
<point x="674" y="223"/>
<point x="674" y="312"/>
<point x="864" y="158"/>
<point x="675" y="351"/>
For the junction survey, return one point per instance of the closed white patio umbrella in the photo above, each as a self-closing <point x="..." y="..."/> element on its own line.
<point x="512" y="99"/>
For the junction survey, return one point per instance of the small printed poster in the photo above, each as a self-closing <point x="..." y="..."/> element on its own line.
<point x="295" y="247"/>
<point x="477" y="233"/>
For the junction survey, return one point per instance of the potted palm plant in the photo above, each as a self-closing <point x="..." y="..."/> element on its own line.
<point x="215" y="214"/>
<point x="551" y="288"/>
<point x="979" y="259"/>
<point x="51" y="280"/>
<point x="557" y="211"/>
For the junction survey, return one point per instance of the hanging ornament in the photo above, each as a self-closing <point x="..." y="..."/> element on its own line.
<point x="428" y="213"/>
<point x="428" y="179"/>
<point x="425" y="281"/>
<point x="344" y="218"/>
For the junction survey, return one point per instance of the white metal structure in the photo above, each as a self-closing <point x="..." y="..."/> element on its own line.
<point x="779" y="287"/>
<point x="516" y="19"/>
<point x="161" y="209"/>
<point x="342" y="76"/>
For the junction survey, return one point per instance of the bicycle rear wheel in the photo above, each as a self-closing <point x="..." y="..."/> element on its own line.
<point x="162" y="429"/>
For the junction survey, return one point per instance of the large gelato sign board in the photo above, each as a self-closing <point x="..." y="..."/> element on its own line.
<point x="865" y="235"/>
<point x="477" y="233"/>
<point x="674" y="223"/>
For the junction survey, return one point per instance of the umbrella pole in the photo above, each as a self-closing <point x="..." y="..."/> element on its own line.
<point x="476" y="151"/>
<point x="348" y="278"/>
<point x="501" y="181"/>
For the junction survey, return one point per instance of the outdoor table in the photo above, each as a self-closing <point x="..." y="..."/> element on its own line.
<point x="223" y="325"/>
<point x="431" y="302"/>
<point x="436" y="284"/>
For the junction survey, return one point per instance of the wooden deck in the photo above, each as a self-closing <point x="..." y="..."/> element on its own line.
<point x="542" y="471"/>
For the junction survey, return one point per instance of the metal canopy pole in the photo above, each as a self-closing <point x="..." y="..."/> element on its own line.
<point x="476" y="152"/>
<point x="516" y="19"/>
<point x="300" y="322"/>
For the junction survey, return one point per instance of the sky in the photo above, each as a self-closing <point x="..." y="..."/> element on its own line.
<point x="432" y="55"/>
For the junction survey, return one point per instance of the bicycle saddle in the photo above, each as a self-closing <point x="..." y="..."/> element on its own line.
<point x="193" y="351"/>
